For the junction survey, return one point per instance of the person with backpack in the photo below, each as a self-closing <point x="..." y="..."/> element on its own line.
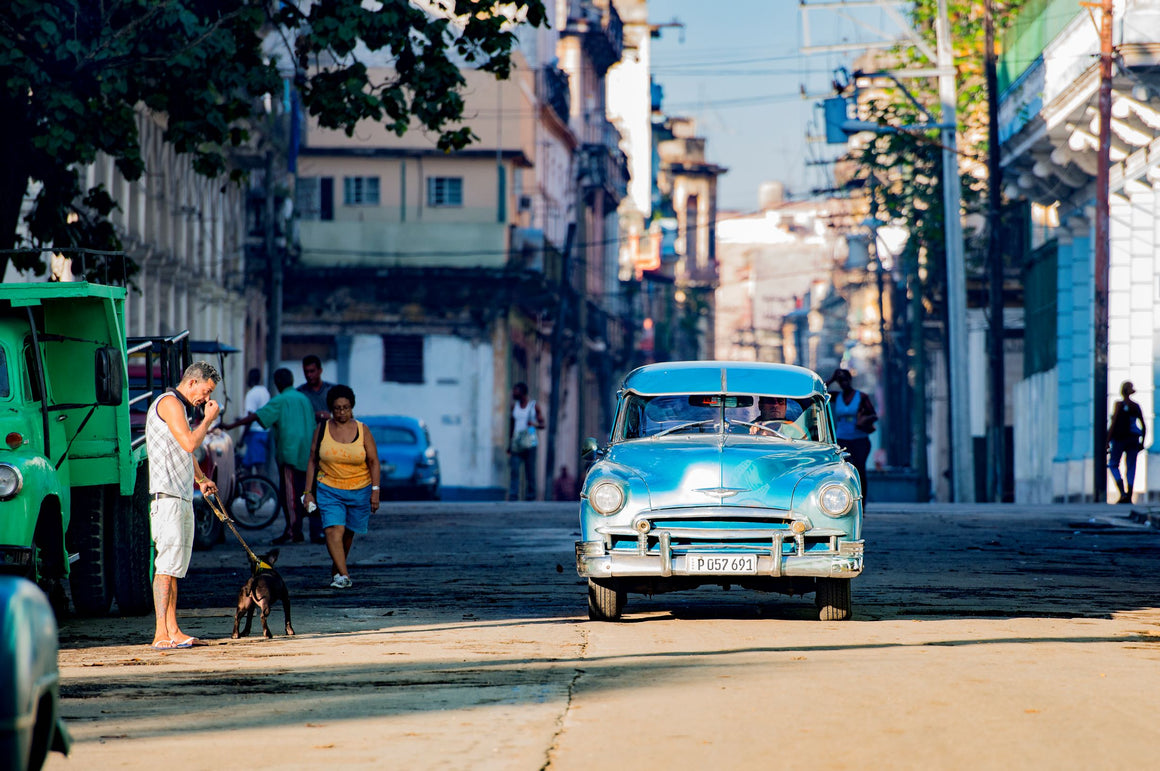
<point x="854" y="419"/>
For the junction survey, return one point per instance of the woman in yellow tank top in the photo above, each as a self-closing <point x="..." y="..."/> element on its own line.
<point x="346" y="489"/>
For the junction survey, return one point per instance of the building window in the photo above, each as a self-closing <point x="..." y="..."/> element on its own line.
<point x="297" y="347"/>
<point x="315" y="198"/>
<point x="445" y="191"/>
<point x="360" y="191"/>
<point x="403" y="358"/>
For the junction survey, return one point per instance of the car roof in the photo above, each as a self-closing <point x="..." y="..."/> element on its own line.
<point x="715" y="377"/>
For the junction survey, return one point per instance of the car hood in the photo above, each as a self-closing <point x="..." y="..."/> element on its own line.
<point x="721" y="470"/>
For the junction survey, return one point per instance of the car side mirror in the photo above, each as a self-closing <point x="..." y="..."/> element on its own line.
<point x="589" y="448"/>
<point x="110" y="377"/>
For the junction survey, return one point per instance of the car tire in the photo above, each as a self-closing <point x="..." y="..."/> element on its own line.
<point x="832" y="597"/>
<point x="605" y="600"/>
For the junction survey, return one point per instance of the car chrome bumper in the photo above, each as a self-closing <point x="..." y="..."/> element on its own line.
<point x="593" y="560"/>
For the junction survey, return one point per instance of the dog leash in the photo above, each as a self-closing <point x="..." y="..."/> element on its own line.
<point x="216" y="507"/>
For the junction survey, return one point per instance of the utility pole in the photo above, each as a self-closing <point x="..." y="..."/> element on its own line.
<point x="1102" y="247"/>
<point x="557" y="369"/>
<point x="998" y="454"/>
<point x="274" y="275"/>
<point x="962" y="456"/>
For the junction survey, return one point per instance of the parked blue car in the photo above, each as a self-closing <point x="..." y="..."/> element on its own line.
<point x="720" y="473"/>
<point x="410" y="464"/>
<point x="30" y="723"/>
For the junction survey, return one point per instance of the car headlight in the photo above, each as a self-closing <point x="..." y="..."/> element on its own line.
<point x="835" y="500"/>
<point x="606" y="498"/>
<point x="10" y="481"/>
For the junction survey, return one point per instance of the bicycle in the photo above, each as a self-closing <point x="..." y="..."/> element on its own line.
<point x="256" y="503"/>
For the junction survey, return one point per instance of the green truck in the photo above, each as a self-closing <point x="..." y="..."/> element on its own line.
<point x="74" y="481"/>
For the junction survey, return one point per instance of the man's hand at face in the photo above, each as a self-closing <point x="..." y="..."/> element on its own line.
<point x="211" y="408"/>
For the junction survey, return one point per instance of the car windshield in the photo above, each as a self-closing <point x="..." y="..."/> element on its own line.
<point x="763" y="416"/>
<point x="393" y="435"/>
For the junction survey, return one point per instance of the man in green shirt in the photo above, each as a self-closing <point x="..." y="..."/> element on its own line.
<point x="290" y="416"/>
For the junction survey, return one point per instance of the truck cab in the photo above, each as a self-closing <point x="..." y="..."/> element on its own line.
<point x="73" y="469"/>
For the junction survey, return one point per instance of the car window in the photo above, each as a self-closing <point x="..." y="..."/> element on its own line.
<point x="5" y="391"/>
<point x="393" y="435"/>
<point x="759" y="415"/>
<point x="31" y="383"/>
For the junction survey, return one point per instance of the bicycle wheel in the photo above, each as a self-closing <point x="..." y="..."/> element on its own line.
<point x="256" y="504"/>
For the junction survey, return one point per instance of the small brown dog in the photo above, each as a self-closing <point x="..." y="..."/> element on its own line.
<point x="263" y="589"/>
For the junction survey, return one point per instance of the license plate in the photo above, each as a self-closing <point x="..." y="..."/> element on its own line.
<point x="720" y="563"/>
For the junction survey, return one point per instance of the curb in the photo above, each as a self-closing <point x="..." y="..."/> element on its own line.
<point x="1149" y="515"/>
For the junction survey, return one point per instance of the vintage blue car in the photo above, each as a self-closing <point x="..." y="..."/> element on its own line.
<point x="410" y="463"/>
<point x="721" y="473"/>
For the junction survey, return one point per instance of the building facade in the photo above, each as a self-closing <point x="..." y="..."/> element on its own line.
<point x="432" y="282"/>
<point x="1049" y="128"/>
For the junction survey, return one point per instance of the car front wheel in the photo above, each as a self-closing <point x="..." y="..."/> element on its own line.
<point x="605" y="600"/>
<point x="832" y="597"/>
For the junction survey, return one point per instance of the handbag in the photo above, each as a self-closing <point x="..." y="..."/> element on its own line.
<point x="525" y="440"/>
<point x="866" y="417"/>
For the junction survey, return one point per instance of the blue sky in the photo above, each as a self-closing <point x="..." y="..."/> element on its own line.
<point x="739" y="71"/>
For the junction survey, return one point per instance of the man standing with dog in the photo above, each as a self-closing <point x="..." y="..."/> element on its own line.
<point x="170" y="443"/>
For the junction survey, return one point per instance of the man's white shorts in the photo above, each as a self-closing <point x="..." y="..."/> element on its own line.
<point x="171" y="520"/>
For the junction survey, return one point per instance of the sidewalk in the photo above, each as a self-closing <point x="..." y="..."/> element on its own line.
<point x="1143" y="517"/>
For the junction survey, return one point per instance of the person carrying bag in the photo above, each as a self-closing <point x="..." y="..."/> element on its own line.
<point x="854" y="419"/>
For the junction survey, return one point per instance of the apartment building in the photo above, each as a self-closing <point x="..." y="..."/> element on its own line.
<point x="431" y="282"/>
<point x="1049" y="128"/>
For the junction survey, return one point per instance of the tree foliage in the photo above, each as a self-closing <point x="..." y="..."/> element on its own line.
<point x="904" y="169"/>
<point x="75" y="72"/>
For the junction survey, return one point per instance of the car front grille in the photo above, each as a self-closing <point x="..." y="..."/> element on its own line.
<point x="720" y="530"/>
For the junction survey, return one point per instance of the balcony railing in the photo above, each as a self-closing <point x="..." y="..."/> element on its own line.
<point x="1035" y="25"/>
<point x="603" y="31"/>
<point x="604" y="166"/>
<point x="554" y="91"/>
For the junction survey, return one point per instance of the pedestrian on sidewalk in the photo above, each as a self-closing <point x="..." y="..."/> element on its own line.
<point x="315" y="388"/>
<point x="854" y="419"/>
<point x="526" y="419"/>
<point x="343" y="479"/>
<point x="256" y="438"/>
<point x="1125" y="439"/>
<point x="290" y="415"/>
<point x="170" y="444"/>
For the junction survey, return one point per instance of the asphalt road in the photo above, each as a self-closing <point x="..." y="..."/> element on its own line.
<point x="983" y="637"/>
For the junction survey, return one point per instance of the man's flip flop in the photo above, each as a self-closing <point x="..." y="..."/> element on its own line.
<point x="166" y="645"/>
<point x="189" y="642"/>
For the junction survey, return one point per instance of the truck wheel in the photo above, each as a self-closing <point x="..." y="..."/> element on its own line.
<point x="832" y="598"/>
<point x="605" y="600"/>
<point x="47" y="567"/>
<point x="133" y="581"/>
<point x="90" y="538"/>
